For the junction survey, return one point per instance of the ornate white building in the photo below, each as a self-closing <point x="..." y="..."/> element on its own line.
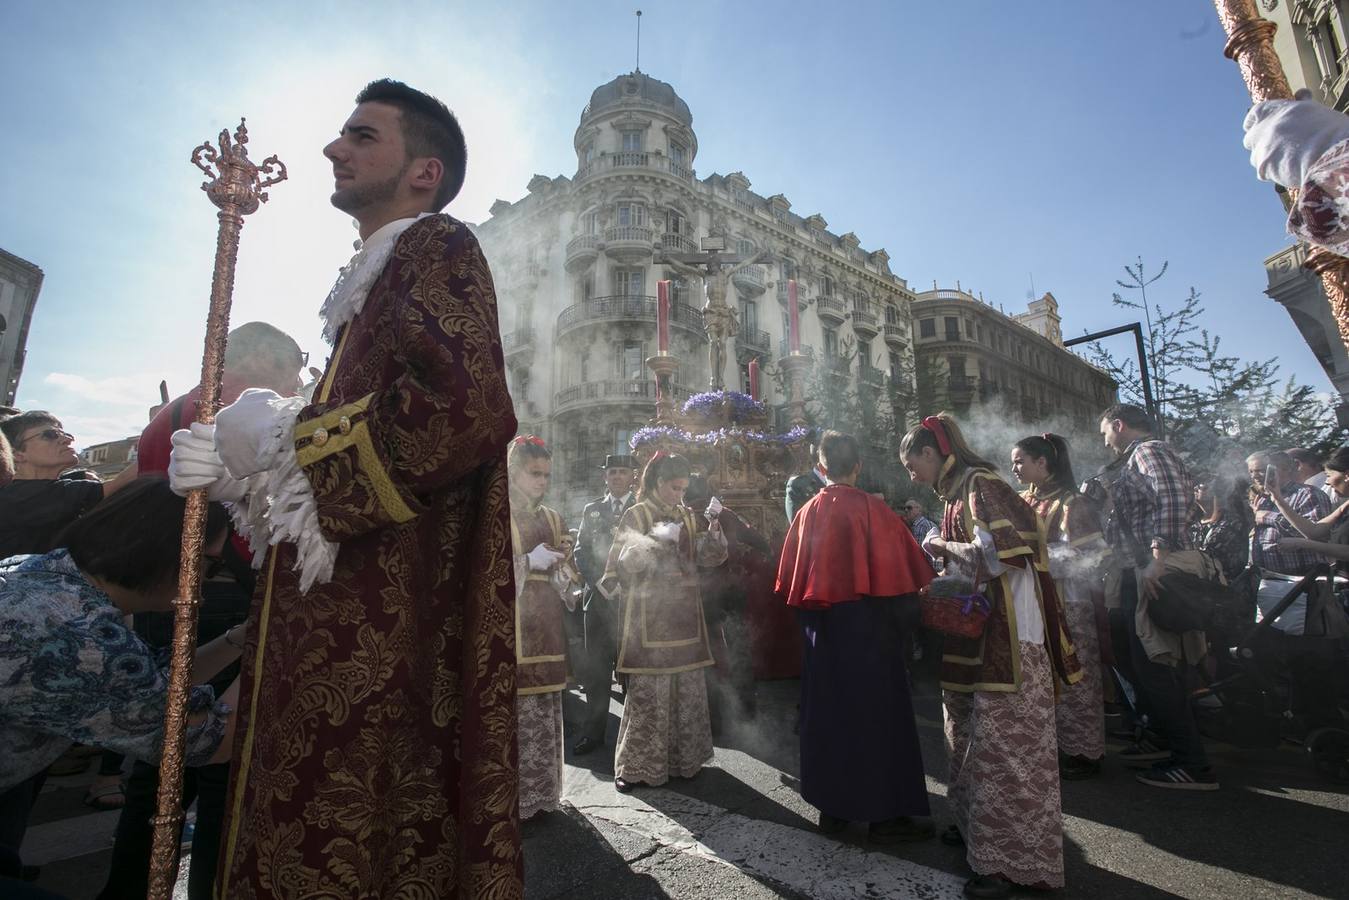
<point x="576" y="274"/>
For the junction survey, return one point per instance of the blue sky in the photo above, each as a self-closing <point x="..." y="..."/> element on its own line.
<point x="982" y="141"/>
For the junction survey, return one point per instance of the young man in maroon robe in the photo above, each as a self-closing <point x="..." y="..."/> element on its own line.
<point x="853" y="570"/>
<point x="376" y="750"/>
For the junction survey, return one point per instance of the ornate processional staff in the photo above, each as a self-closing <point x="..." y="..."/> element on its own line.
<point x="1250" y="42"/>
<point x="237" y="186"/>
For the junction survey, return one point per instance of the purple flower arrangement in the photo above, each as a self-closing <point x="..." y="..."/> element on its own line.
<point x="653" y="433"/>
<point x="710" y="404"/>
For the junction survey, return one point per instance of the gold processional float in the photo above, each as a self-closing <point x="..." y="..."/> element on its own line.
<point x="726" y="438"/>
<point x="237" y="187"/>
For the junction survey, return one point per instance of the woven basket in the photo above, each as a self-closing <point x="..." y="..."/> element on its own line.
<point x="960" y="616"/>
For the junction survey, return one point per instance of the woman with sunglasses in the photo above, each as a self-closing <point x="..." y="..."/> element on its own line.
<point x="37" y="503"/>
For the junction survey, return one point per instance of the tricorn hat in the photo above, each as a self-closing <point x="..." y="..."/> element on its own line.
<point x="619" y="461"/>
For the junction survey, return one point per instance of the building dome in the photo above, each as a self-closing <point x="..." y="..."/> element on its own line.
<point x="640" y="90"/>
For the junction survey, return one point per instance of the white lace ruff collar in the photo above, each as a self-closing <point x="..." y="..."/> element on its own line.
<point x="354" y="281"/>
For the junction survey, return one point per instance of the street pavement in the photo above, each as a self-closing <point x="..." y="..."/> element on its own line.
<point x="740" y="830"/>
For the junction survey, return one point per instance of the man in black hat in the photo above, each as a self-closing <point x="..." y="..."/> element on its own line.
<point x="599" y="521"/>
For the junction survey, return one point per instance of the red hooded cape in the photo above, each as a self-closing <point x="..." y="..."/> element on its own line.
<point x="845" y="544"/>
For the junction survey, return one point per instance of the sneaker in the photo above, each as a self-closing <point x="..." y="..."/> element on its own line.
<point x="1143" y="752"/>
<point x="1179" y="778"/>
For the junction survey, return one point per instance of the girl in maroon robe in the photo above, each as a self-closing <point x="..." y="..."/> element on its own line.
<point x="1077" y="551"/>
<point x="652" y="574"/>
<point x="998" y="689"/>
<point x="540" y="544"/>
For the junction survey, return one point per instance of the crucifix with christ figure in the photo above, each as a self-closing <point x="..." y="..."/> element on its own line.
<point x="719" y="318"/>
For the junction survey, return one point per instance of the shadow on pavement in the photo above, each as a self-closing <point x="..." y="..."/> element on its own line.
<point x="567" y="857"/>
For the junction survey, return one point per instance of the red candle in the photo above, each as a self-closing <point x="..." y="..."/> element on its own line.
<point x="754" y="379"/>
<point x="663" y="316"/>
<point x="794" y="319"/>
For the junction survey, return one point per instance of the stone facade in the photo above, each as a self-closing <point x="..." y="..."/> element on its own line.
<point x="20" y="282"/>
<point x="1311" y="44"/>
<point x="576" y="273"/>
<point x="970" y="353"/>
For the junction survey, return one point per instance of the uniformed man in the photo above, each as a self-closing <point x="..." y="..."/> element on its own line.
<point x="599" y="522"/>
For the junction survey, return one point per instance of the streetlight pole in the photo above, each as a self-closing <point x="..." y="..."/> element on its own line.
<point x="1146" y="379"/>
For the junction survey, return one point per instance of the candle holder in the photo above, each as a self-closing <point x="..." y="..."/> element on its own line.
<point x="795" y="365"/>
<point x="664" y="365"/>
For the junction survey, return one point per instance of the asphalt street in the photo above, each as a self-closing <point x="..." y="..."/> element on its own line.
<point x="741" y="830"/>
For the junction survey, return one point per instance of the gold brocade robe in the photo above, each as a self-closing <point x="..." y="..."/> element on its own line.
<point x="540" y="641"/>
<point x="979" y="499"/>
<point x="375" y="752"/>
<point x="663" y="629"/>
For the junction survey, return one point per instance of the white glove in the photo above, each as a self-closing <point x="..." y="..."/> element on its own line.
<point x="1286" y="137"/>
<point x="714" y="509"/>
<point x="245" y="431"/>
<point x="194" y="464"/>
<point x="668" y="532"/>
<point x="542" y="558"/>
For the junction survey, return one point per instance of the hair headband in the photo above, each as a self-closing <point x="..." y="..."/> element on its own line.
<point x="530" y="439"/>
<point x="934" y="425"/>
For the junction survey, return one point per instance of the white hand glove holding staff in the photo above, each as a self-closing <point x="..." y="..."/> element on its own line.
<point x="245" y="431"/>
<point x="194" y="463"/>
<point x="1287" y="137"/>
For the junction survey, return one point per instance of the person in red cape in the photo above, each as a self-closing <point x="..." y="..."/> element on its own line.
<point x="853" y="571"/>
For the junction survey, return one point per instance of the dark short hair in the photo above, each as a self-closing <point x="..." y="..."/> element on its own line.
<point x="840" y="453"/>
<point x="1305" y="456"/>
<point x="134" y="538"/>
<point x="429" y="129"/>
<point x="1339" y="460"/>
<point x="258" y="345"/>
<point x="1132" y="415"/>
<point x="15" y="426"/>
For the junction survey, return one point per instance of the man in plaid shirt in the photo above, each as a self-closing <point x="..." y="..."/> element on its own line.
<point x="1271" y="525"/>
<point x="1152" y="497"/>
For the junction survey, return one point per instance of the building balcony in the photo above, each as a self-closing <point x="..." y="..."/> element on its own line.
<point x="865" y="323"/>
<point x="960" y="388"/>
<point x="617" y="392"/>
<point x="755" y="339"/>
<point x="896" y="334"/>
<point x="628" y="308"/>
<point x="627" y="243"/>
<point x="750" y="279"/>
<point x="806" y="349"/>
<point x="581" y="251"/>
<point x="638" y="160"/>
<point x="518" y="345"/>
<point x="829" y="307"/>
<point x="869" y="374"/>
<point x="898" y="384"/>
<point x="677" y="243"/>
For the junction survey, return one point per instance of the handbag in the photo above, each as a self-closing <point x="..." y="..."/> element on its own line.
<point x="959" y="615"/>
<point x="1185" y="601"/>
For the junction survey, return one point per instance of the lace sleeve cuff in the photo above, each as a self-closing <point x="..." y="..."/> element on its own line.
<point x="280" y="506"/>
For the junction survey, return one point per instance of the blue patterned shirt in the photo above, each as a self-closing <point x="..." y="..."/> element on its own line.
<point x="71" y="671"/>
